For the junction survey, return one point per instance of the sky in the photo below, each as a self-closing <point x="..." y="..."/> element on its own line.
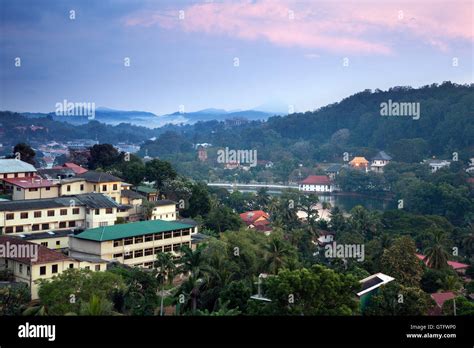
<point x="158" y="56"/>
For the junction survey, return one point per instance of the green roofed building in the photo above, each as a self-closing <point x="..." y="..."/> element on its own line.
<point x="133" y="244"/>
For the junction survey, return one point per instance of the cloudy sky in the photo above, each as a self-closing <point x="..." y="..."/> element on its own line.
<point x="225" y="54"/>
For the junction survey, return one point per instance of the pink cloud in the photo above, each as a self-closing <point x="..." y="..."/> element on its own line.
<point x="366" y="27"/>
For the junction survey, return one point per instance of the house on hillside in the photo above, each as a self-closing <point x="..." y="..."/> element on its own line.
<point x="459" y="267"/>
<point x="359" y="163"/>
<point x="436" y="164"/>
<point x="440" y="298"/>
<point x="379" y="161"/>
<point x="317" y="183"/>
<point x="257" y="219"/>
<point x="333" y="170"/>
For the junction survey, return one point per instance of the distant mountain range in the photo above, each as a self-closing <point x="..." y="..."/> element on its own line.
<point x="150" y="120"/>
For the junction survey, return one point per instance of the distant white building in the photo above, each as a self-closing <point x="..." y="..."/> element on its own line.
<point x="436" y="164"/>
<point x="379" y="161"/>
<point x="317" y="183"/>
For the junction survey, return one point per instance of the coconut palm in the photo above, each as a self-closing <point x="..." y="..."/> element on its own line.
<point x="165" y="270"/>
<point x="277" y="252"/>
<point x="436" y="255"/>
<point x="96" y="306"/>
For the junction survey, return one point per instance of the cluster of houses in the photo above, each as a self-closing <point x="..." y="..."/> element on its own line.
<point x="78" y="218"/>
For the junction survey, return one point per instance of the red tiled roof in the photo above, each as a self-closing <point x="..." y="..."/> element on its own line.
<point x="75" y="167"/>
<point x="454" y="265"/>
<point x="44" y="255"/>
<point x="441" y="297"/>
<point x="250" y="216"/>
<point x="29" y="182"/>
<point x="316" y="180"/>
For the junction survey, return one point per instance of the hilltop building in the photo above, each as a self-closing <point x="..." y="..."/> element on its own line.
<point x="379" y="161"/>
<point x="317" y="183"/>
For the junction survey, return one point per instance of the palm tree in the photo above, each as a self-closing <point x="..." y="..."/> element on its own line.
<point x="277" y="254"/>
<point x="192" y="261"/>
<point x="96" y="306"/>
<point x="166" y="268"/>
<point x="436" y="255"/>
<point x="263" y="198"/>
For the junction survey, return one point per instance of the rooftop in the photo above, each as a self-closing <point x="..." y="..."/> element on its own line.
<point x="454" y="265"/>
<point x="131" y="229"/>
<point x="90" y="200"/>
<point x="250" y="217"/>
<point x="373" y="282"/>
<point x="15" y="166"/>
<point x="381" y="156"/>
<point x="43" y="254"/>
<point x="441" y="297"/>
<point x="30" y="182"/>
<point x="45" y="235"/>
<point x="131" y="194"/>
<point x="98" y="177"/>
<point x="145" y="189"/>
<point x="316" y="180"/>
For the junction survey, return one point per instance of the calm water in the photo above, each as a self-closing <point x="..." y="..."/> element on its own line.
<point x="347" y="202"/>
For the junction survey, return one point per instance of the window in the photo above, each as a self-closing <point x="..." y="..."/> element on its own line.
<point x="16" y="175"/>
<point x="45" y="226"/>
<point x="18" y="189"/>
<point x="115" y="187"/>
<point x="24" y="215"/>
<point x="28" y="270"/>
<point x="138" y="253"/>
<point x="148" y="251"/>
<point x="33" y="189"/>
<point x="118" y="243"/>
<point x="35" y="227"/>
<point x="176" y="247"/>
<point x="44" y="244"/>
<point x="71" y="265"/>
<point x="9" y="229"/>
<point x="81" y="187"/>
<point x="37" y="214"/>
<point x="88" y="211"/>
<point x="62" y="224"/>
<point x="158" y="236"/>
<point x="149" y="238"/>
<point x="128" y="256"/>
<point x="42" y="270"/>
<point x="95" y="187"/>
<point x="185" y="233"/>
<point x="118" y="255"/>
<point x="97" y="211"/>
<point x="87" y="268"/>
<point x="68" y="188"/>
<point x="19" y="229"/>
<point x="128" y="241"/>
<point x="10" y="216"/>
<point x="97" y="268"/>
<point x="54" y="269"/>
<point x="138" y="240"/>
<point x="72" y="223"/>
<point x="63" y="211"/>
<point x="20" y="268"/>
<point x="109" y="211"/>
<point x="50" y="212"/>
<point x="48" y="188"/>
<point x="167" y="235"/>
<point x="176" y="234"/>
<point x="75" y="211"/>
<point x="167" y="248"/>
<point x="158" y="250"/>
<point x="104" y="187"/>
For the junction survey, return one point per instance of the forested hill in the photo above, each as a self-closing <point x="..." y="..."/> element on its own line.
<point x="355" y="125"/>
